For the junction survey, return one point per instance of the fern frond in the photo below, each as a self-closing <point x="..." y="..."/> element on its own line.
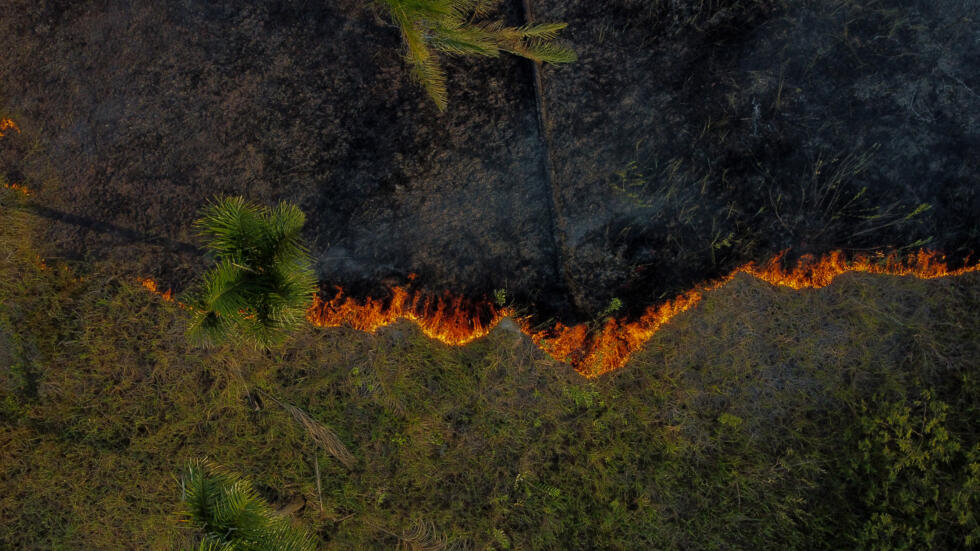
<point x="422" y="537"/>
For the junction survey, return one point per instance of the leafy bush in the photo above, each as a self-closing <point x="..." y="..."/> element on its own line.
<point x="449" y="26"/>
<point x="917" y="482"/>
<point x="263" y="282"/>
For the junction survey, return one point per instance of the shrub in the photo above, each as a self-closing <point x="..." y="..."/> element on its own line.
<point x="916" y="480"/>
<point x="233" y="516"/>
<point x="263" y="282"/>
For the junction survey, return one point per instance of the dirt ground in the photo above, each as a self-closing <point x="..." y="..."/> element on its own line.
<point x="691" y="137"/>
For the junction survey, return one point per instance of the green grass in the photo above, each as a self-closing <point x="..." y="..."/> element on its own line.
<point x="765" y="418"/>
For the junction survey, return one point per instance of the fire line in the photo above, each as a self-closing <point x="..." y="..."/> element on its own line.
<point x="454" y="321"/>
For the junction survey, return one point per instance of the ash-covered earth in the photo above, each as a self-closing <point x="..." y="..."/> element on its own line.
<point x="690" y="138"/>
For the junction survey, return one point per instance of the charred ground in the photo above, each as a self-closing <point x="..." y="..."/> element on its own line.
<point x="691" y="137"/>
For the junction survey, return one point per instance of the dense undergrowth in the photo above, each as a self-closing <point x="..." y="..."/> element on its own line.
<point x="765" y="418"/>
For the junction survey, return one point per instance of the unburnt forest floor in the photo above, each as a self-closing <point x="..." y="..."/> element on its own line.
<point x="765" y="418"/>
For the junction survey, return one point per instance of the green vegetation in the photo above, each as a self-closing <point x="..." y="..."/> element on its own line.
<point x="232" y="515"/>
<point x="263" y="283"/>
<point x="455" y="27"/>
<point x="844" y="418"/>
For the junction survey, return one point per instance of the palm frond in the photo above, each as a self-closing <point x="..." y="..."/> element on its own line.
<point x="542" y="52"/>
<point x="543" y="31"/>
<point x="226" y="288"/>
<point x="325" y="437"/>
<point x="430" y="75"/>
<point x="263" y="281"/>
<point x="429" y="27"/>
<point x="420" y="9"/>
<point x="286" y="223"/>
<point x="468" y="40"/>
<point x="233" y="516"/>
<point x="232" y="227"/>
<point x="208" y="544"/>
<point x="208" y="328"/>
<point x="486" y="7"/>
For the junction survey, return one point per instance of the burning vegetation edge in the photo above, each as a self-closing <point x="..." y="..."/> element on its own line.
<point x="593" y="349"/>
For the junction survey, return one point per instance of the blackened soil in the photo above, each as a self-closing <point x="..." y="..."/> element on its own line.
<point x="695" y="136"/>
<point x="691" y="137"/>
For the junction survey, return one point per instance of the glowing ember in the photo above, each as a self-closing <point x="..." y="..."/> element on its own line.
<point x="455" y="321"/>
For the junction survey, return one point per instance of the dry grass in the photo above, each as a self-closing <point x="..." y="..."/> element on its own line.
<point x="734" y="428"/>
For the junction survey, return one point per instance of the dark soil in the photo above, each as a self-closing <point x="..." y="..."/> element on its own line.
<point x="691" y="137"/>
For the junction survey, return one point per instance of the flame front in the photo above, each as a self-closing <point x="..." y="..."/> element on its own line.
<point x="454" y="321"/>
<point x="610" y="348"/>
<point x="450" y="320"/>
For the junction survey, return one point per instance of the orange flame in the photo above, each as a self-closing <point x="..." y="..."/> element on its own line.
<point x="454" y="321"/>
<point x="7" y="124"/>
<point x="450" y="320"/>
<point x="611" y="347"/>
<point x="17" y="187"/>
<point x="151" y="286"/>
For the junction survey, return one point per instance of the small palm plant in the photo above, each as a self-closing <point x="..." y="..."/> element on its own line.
<point x="451" y="27"/>
<point x="233" y="516"/>
<point x="263" y="282"/>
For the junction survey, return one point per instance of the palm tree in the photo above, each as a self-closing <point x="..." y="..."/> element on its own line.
<point x="451" y="27"/>
<point x="263" y="282"/>
<point x="233" y="516"/>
